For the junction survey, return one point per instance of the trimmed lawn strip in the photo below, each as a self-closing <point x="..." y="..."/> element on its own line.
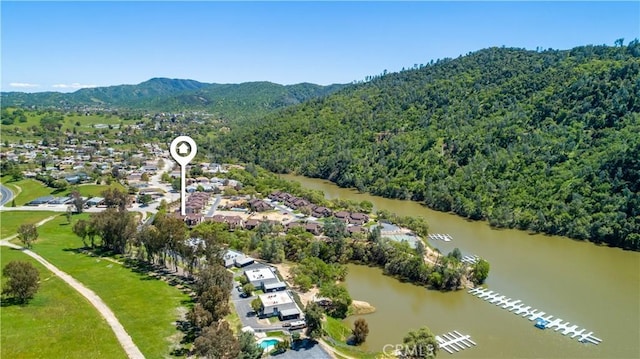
<point x="11" y="220"/>
<point x="57" y="323"/>
<point x="146" y="307"/>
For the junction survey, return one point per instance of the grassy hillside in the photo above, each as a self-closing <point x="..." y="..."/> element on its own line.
<point x="543" y="141"/>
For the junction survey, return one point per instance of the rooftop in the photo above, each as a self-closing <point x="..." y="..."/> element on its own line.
<point x="276" y="298"/>
<point x="259" y="274"/>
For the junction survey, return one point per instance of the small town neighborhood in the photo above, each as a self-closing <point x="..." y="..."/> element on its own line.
<point x="208" y="199"/>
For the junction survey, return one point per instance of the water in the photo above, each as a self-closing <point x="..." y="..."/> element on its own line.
<point x="266" y="343"/>
<point x="597" y="288"/>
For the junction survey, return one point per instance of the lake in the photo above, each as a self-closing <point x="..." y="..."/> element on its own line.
<point x="594" y="287"/>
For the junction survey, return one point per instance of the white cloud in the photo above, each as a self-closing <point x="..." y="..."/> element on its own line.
<point x="23" y="85"/>
<point x="74" y="85"/>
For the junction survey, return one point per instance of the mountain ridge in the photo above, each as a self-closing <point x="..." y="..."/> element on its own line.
<point x="541" y="141"/>
<point x="248" y="99"/>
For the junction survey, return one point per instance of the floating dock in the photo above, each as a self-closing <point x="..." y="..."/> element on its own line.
<point x="454" y="341"/>
<point x="470" y="259"/>
<point x="543" y="322"/>
<point x="440" y="236"/>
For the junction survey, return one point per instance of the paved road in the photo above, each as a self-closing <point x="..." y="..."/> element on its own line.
<point x="121" y="334"/>
<point x="214" y="206"/>
<point x="6" y="194"/>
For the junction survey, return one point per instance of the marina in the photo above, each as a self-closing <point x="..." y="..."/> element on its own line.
<point x="517" y="307"/>
<point x="470" y="259"/>
<point x="454" y="342"/>
<point x="440" y="236"/>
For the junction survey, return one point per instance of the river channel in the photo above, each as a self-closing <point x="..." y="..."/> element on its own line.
<point x="594" y="287"/>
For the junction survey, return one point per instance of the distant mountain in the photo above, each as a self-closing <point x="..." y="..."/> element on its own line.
<point x="232" y="101"/>
<point x="544" y="141"/>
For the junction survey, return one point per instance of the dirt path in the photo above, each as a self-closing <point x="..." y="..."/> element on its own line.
<point x="121" y="334"/>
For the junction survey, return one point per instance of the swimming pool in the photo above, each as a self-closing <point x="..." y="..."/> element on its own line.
<point x="267" y="343"/>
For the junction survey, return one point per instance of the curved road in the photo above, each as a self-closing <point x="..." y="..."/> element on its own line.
<point x="7" y="195"/>
<point x="121" y="334"/>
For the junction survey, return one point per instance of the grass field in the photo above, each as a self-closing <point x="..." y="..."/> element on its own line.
<point x="57" y="323"/>
<point x="95" y="190"/>
<point x="340" y="332"/>
<point x="11" y="220"/>
<point x="32" y="189"/>
<point x="146" y="307"/>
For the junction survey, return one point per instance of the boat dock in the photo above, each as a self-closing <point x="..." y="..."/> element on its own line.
<point x="543" y="322"/>
<point x="454" y="341"/>
<point x="440" y="236"/>
<point x="470" y="259"/>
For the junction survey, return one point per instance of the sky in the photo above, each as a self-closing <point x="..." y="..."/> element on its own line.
<point x="64" y="46"/>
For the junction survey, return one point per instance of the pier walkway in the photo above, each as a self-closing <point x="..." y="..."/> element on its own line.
<point x="440" y="236"/>
<point x="517" y="307"/>
<point x="454" y="341"/>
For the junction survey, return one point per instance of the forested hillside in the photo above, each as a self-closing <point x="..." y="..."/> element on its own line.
<point x="228" y="101"/>
<point x="545" y="141"/>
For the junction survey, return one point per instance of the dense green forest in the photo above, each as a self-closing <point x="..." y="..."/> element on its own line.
<point x="546" y="141"/>
<point x="227" y="101"/>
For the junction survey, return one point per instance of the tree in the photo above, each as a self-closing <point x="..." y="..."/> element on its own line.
<point x="217" y="342"/>
<point x="215" y="300"/>
<point x="23" y="281"/>
<point x="27" y="233"/>
<point x="175" y="184"/>
<point x="340" y="299"/>
<point x="256" y="305"/>
<point x="455" y="253"/>
<point x="82" y="228"/>
<point x="480" y="271"/>
<point x="144" y="177"/>
<point x="145" y="199"/>
<point x="420" y="344"/>
<point x="115" y="227"/>
<point x="313" y="317"/>
<point x="248" y="289"/>
<point x="360" y="331"/>
<point x="282" y="346"/>
<point x="114" y="198"/>
<point x="68" y="214"/>
<point x="199" y="317"/>
<point x="213" y="275"/>
<point x="78" y="201"/>
<point x="249" y="349"/>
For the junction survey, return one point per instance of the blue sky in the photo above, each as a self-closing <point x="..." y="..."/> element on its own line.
<point x="62" y="46"/>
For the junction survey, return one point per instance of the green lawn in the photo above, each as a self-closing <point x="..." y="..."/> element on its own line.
<point x="340" y="332"/>
<point x="11" y="220"/>
<point x="95" y="190"/>
<point x="57" y="323"/>
<point x="146" y="307"/>
<point x="32" y="189"/>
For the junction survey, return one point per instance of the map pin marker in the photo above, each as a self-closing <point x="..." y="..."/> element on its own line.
<point x="183" y="149"/>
